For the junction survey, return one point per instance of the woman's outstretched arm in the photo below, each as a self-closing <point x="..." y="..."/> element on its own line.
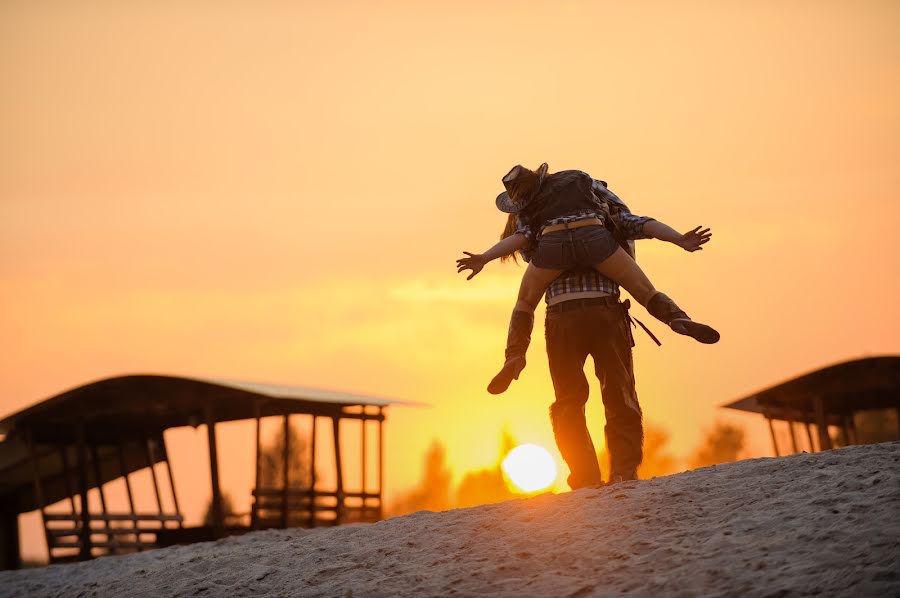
<point x="476" y="261"/>
<point x="693" y="240"/>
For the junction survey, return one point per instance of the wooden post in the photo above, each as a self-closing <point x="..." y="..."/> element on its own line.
<point x="151" y="459"/>
<point x="285" y="458"/>
<point x="165" y="452"/>
<point x="767" y="413"/>
<point x="790" y="423"/>
<point x="364" y="500"/>
<point x="853" y="433"/>
<point x="64" y="457"/>
<point x="845" y="430"/>
<point x="809" y="437"/>
<point x="123" y="467"/>
<point x="39" y="490"/>
<point x="312" y="475"/>
<point x="339" y="509"/>
<point x="9" y="533"/>
<point x="98" y="476"/>
<point x="822" y="424"/>
<point x="83" y="489"/>
<point x="254" y="509"/>
<point x="218" y="518"/>
<point x="380" y="463"/>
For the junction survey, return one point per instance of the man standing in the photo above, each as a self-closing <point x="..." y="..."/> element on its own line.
<point x="585" y="317"/>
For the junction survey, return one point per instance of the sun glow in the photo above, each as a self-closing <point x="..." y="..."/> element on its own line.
<point x="529" y="467"/>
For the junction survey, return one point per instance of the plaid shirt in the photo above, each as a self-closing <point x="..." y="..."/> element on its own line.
<point x="583" y="284"/>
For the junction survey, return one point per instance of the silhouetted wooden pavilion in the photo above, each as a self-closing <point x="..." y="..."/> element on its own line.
<point x="81" y="439"/>
<point x="828" y="397"/>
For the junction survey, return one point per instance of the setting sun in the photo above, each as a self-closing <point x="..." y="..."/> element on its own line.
<point x="529" y="467"/>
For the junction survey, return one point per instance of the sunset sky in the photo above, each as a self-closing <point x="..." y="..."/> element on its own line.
<point x="277" y="191"/>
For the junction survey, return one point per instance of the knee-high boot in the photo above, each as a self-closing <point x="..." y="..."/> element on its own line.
<point x="517" y="341"/>
<point x="667" y="311"/>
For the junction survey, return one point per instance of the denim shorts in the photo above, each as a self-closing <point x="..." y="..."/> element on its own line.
<point x="580" y="247"/>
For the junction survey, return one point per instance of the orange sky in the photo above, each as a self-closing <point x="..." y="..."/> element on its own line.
<point x="278" y="191"/>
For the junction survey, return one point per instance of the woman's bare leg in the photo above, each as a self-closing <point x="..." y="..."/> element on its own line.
<point x="534" y="283"/>
<point x="621" y="268"/>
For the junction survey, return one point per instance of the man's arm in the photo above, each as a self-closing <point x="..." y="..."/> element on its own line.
<point x="476" y="261"/>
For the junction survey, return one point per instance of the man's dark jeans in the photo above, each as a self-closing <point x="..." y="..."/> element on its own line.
<point x="597" y="327"/>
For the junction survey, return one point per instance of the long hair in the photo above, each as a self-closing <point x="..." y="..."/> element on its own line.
<point x="509" y="230"/>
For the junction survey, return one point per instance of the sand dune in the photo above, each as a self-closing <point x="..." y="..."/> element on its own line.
<point x="817" y="524"/>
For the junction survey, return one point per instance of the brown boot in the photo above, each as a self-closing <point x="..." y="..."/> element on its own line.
<point x="665" y="310"/>
<point x="520" y="325"/>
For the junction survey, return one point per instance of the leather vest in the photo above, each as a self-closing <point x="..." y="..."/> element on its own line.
<point x="561" y="194"/>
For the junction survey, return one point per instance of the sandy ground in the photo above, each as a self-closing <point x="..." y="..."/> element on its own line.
<point x="809" y="524"/>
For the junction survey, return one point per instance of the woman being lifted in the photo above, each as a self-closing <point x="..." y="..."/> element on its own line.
<point x="560" y="220"/>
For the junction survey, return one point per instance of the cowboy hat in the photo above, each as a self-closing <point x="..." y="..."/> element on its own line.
<point x="522" y="185"/>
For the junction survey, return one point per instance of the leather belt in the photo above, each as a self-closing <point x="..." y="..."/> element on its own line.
<point x="570" y="225"/>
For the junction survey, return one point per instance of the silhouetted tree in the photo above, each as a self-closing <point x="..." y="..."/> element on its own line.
<point x="271" y="473"/>
<point x="433" y="491"/>
<point x="721" y="445"/>
<point x="227" y="509"/>
<point x="876" y="425"/>
<point x="657" y="460"/>
<point x="487" y="486"/>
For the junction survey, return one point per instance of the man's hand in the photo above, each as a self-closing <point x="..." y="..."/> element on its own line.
<point x="693" y="240"/>
<point x="475" y="262"/>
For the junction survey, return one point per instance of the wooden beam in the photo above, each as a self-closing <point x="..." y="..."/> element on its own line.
<point x="124" y="469"/>
<point x="790" y="422"/>
<point x="853" y="431"/>
<point x="845" y="431"/>
<point x="218" y="518"/>
<point x="254" y="508"/>
<point x="312" y="474"/>
<point x="64" y="457"/>
<point x="336" y="426"/>
<point x="98" y="476"/>
<point x="380" y="462"/>
<point x="85" y="552"/>
<point x="363" y="488"/>
<point x="39" y="490"/>
<point x="151" y="459"/>
<point x="285" y="459"/>
<point x="809" y="437"/>
<point x="9" y="534"/>
<point x="165" y="454"/>
<point x="822" y="424"/>
<point x="767" y="413"/>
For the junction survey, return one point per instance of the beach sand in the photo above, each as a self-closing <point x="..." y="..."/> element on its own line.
<point x="809" y="524"/>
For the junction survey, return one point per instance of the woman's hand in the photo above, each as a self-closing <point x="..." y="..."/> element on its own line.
<point x="693" y="240"/>
<point x="475" y="262"/>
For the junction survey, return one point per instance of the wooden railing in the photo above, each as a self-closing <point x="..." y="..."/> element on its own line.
<point x="112" y="539"/>
<point x="303" y="507"/>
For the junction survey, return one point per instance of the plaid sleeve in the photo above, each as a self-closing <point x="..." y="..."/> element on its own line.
<point x="633" y="226"/>
<point x="523" y="227"/>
